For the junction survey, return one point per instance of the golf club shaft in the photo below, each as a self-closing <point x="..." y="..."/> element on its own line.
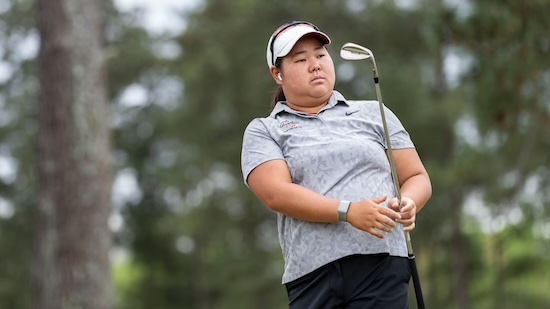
<point x="388" y="142"/>
<point x="351" y="51"/>
<point x="391" y="159"/>
<point x="412" y="258"/>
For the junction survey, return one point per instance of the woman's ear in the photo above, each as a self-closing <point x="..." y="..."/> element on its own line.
<point x="276" y="74"/>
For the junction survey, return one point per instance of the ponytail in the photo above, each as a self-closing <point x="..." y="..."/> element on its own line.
<point x="279" y="95"/>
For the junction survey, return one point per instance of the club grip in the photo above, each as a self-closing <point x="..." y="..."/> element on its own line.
<point x="416" y="282"/>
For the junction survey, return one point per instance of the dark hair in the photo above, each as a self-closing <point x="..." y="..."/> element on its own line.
<point x="278" y="95"/>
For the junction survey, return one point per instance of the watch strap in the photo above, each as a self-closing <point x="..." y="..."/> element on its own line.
<point x="343" y="208"/>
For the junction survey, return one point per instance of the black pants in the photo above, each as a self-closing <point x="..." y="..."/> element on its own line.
<point x="358" y="281"/>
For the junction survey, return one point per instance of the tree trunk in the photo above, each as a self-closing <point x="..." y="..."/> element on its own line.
<point x="72" y="239"/>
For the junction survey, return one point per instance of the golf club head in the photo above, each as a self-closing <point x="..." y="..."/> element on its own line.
<point x="351" y="51"/>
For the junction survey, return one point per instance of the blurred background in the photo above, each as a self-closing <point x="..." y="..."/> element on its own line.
<point x="470" y="80"/>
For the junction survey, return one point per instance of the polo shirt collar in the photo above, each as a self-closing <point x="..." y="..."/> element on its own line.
<point x="334" y="99"/>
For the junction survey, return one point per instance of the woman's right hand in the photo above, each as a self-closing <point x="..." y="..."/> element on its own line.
<point x="368" y="215"/>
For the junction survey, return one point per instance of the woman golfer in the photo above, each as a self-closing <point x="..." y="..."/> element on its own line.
<point x="320" y="162"/>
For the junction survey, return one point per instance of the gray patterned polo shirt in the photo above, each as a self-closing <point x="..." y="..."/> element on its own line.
<point x="340" y="153"/>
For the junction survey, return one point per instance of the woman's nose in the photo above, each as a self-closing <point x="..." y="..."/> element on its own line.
<point x="315" y="66"/>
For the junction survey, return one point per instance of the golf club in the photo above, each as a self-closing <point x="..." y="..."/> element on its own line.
<point x="351" y="51"/>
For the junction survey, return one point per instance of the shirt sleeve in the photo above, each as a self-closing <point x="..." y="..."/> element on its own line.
<point x="399" y="137"/>
<point x="258" y="147"/>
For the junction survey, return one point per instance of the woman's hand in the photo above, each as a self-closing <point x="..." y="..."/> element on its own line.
<point x="368" y="215"/>
<point x="407" y="210"/>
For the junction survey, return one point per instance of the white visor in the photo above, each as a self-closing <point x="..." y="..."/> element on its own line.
<point x="285" y="40"/>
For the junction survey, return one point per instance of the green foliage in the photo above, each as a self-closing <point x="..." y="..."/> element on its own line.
<point x="508" y="92"/>
<point x="15" y="239"/>
<point x="17" y="95"/>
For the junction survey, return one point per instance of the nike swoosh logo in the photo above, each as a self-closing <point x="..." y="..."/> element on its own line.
<point x="352" y="112"/>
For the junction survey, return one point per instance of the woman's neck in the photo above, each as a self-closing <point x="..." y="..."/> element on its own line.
<point x="313" y="109"/>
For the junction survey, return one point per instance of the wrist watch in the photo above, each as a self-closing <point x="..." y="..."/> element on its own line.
<point x="343" y="210"/>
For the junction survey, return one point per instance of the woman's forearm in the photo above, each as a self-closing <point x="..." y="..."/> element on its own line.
<point x="418" y="188"/>
<point x="301" y="203"/>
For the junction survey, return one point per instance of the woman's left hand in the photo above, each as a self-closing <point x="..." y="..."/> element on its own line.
<point x="407" y="211"/>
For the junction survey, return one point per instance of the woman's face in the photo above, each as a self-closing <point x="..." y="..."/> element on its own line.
<point x="307" y="75"/>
